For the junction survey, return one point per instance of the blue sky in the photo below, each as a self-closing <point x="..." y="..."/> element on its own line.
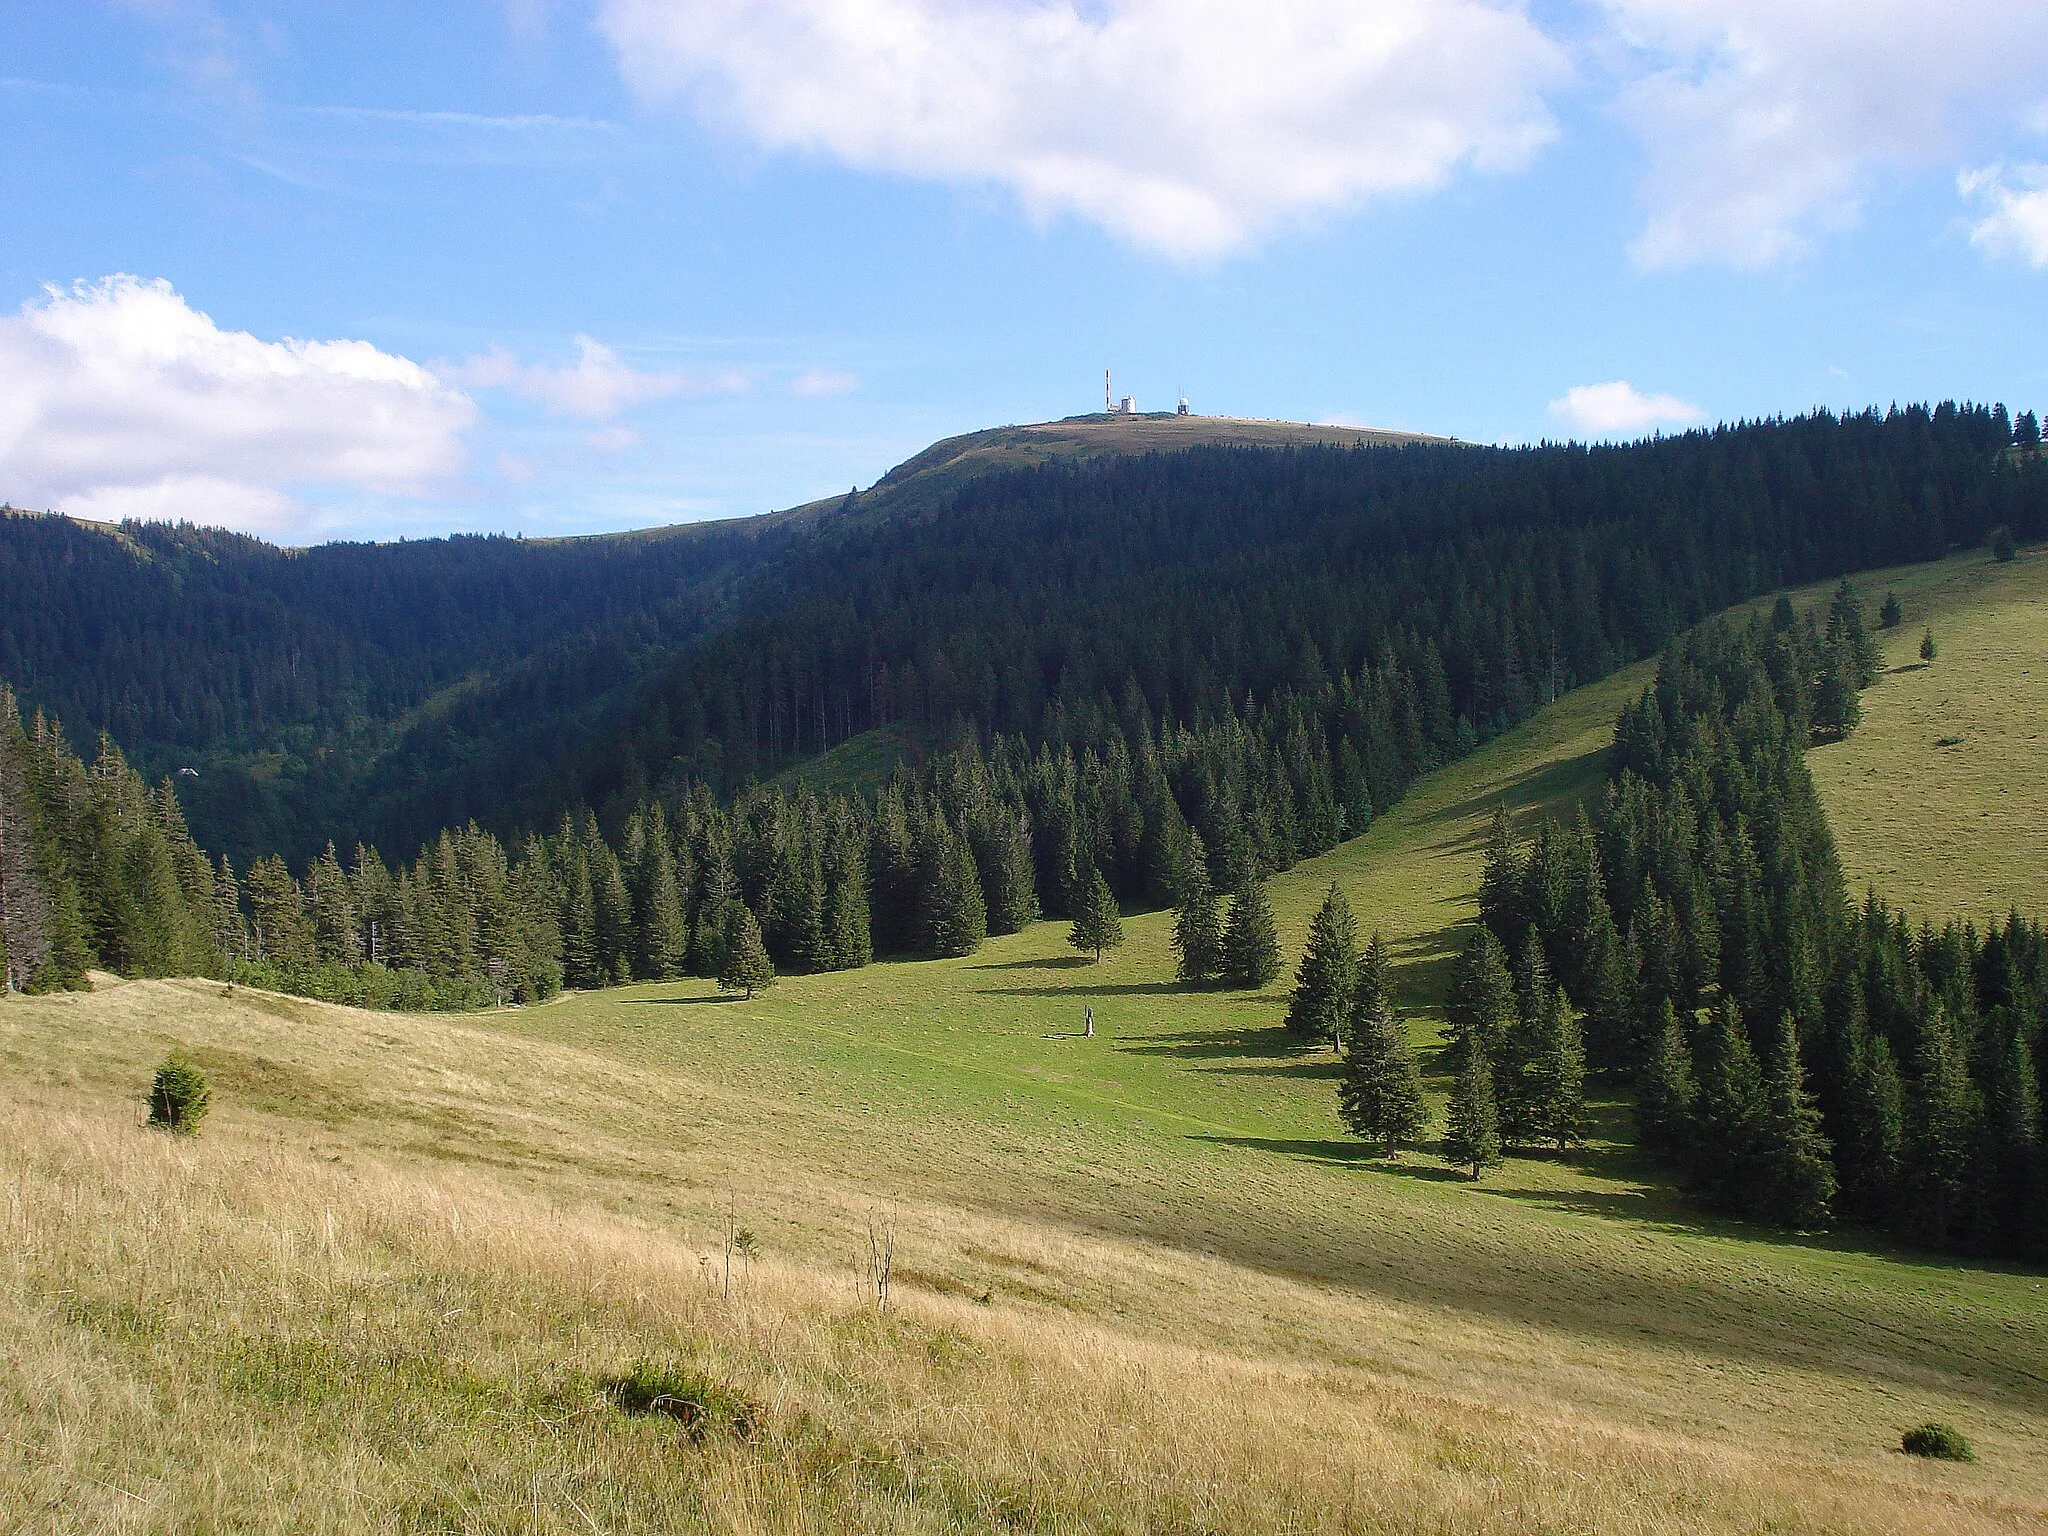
<point x="362" y="270"/>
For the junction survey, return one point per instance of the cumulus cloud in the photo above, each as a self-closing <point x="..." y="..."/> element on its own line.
<point x="1619" y="409"/>
<point x="2015" y="200"/>
<point x="822" y="383"/>
<point x="1186" y="126"/>
<point x="1766" y="123"/>
<point x="597" y="387"/>
<point x="123" y="401"/>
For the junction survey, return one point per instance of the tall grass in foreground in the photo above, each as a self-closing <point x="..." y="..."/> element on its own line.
<point x="232" y="1334"/>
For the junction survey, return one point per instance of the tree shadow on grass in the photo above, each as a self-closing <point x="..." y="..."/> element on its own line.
<point x="1114" y="989"/>
<point x="1213" y="1044"/>
<point x="1339" y="1154"/>
<point x="1044" y="963"/>
<point x="1910" y="666"/>
<point x="1551" y="788"/>
<point x="1308" y="1069"/>
<point x="678" y="1002"/>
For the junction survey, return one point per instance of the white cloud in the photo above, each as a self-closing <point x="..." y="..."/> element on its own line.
<point x="2016" y="220"/>
<point x="821" y="383"/>
<point x="123" y="401"/>
<point x="1620" y="409"/>
<point x="1187" y="126"/>
<point x="596" y="388"/>
<point x="1767" y="122"/>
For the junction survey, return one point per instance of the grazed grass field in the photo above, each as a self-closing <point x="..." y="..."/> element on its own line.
<point x="381" y="1291"/>
<point x="1940" y="800"/>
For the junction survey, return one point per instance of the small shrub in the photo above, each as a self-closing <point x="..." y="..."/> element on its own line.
<point x="179" y="1097"/>
<point x="694" y="1400"/>
<point x="1943" y="1442"/>
<point x="2002" y="546"/>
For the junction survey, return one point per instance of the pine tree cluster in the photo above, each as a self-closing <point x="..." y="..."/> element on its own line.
<point x="1798" y="1059"/>
<point x="96" y="868"/>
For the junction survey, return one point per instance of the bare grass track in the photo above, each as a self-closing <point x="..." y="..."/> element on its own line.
<point x="384" y="1289"/>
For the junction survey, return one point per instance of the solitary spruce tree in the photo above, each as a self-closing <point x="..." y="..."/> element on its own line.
<point x="747" y="965"/>
<point x="1891" y="615"/>
<point x="1324" y="984"/>
<point x="1197" y="931"/>
<point x="1096" y="924"/>
<point x="1251" y="940"/>
<point x="1380" y="1094"/>
<point x="1927" y="645"/>
<point x="1472" y="1135"/>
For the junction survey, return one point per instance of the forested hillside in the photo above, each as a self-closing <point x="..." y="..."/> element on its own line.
<point x="283" y="677"/>
<point x="376" y="693"/>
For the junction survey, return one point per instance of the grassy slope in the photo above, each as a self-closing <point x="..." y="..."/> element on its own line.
<point x="1184" y="1258"/>
<point x="1957" y="831"/>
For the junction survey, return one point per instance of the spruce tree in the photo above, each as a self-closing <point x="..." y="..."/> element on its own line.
<point x="1472" y="1130"/>
<point x="847" y="922"/>
<point x="747" y="966"/>
<point x="1517" y="1091"/>
<point x="1795" y="1184"/>
<point x="1836" y="709"/>
<point x="1197" y="931"/>
<point x="1609" y="996"/>
<point x="1557" y="1076"/>
<point x="1733" y="1106"/>
<point x="1500" y="882"/>
<point x="1096" y="924"/>
<point x="1943" y="1120"/>
<point x="1481" y="1002"/>
<point x="2009" y="1216"/>
<point x="1003" y="854"/>
<point x="1251" y="939"/>
<point x="1846" y="632"/>
<point x="1891" y="615"/>
<point x="581" y="966"/>
<point x="1927" y="651"/>
<point x="664" y="933"/>
<point x="953" y="917"/>
<point x="1872" y="1125"/>
<point x="1380" y="1094"/>
<point x="1326" y="979"/>
<point x="1667" y="1093"/>
<point x="1375" y="987"/>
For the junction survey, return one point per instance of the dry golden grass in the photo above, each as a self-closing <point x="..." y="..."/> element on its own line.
<point x="387" y="1303"/>
<point x="229" y="1334"/>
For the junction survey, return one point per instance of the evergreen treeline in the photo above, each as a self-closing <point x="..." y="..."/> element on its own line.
<point x="96" y="868"/>
<point x="1797" y="1058"/>
<point x="974" y="843"/>
<point x="377" y="693"/>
